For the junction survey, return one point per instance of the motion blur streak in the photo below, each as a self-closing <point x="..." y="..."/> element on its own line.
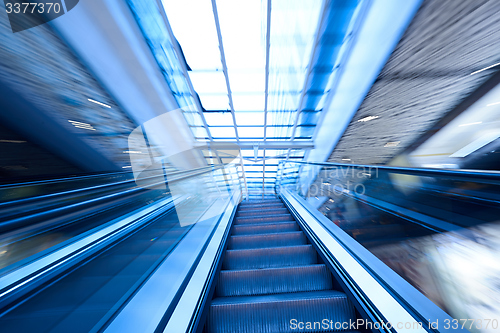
<point x="235" y="166"/>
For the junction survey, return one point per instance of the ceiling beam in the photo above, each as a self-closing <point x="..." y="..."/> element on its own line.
<point x="224" y="66"/>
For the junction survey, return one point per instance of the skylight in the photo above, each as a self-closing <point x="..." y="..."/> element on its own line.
<point x="251" y="78"/>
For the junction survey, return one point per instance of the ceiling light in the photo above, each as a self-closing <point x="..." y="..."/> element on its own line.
<point x="96" y="102"/>
<point x="78" y="124"/>
<point x="476" y="123"/>
<point x="127" y="166"/>
<point x="85" y="127"/>
<point x="132" y="152"/>
<point x="392" y="144"/>
<point x="365" y="119"/>
<point x="485" y="68"/>
<point x="346" y="159"/>
<point x="493" y="104"/>
<point x="12" y="141"/>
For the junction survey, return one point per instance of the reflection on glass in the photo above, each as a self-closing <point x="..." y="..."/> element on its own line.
<point x="439" y="231"/>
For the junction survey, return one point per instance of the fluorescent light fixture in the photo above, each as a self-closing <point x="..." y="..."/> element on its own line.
<point x="132" y="152"/>
<point x="476" y="123"/>
<point x="96" y="102"/>
<point x="493" y="104"/>
<point x="327" y="184"/>
<point x="331" y="200"/>
<point x="476" y="144"/>
<point x="479" y="71"/>
<point x="126" y="167"/>
<point x="79" y="123"/>
<point x="12" y="141"/>
<point x="365" y="119"/>
<point x="85" y="127"/>
<point x="346" y="159"/>
<point x="392" y="144"/>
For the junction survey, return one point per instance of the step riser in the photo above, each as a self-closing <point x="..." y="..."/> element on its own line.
<point x="269" y="257"/>
<point x="267" y="240"/>
<point x="273" y="281"/>
<point x="251" y="208"/>
<point x="277" y="316"/>
<point x="262" y="212"/>
<point x="253" y="220"/>
<point x="264" y="228"/>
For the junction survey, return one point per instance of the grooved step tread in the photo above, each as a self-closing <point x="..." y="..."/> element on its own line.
<point x="302" y="296"/>
<point x="275" y="239"/>
<point x="264" y="228"/>
<point x="261" y="206"/>
<point x="270" y="257"/>
<point x="264" y="219"/>
<point x="263" y="212"/>
<point x="275" y="313"/>
<point x="274" y="280"/>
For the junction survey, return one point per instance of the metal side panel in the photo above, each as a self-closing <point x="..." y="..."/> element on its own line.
<point x="377" y="291"/>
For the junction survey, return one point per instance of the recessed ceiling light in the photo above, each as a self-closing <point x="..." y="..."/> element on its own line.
<point x="12" y="141"/>
<point x="365" y="119"/>
<point x="479" y="71"/>
<point x="346" y="159"/>
<point x="392" y="144"/>
<point x="476" y="123"/>
<point x="96" y="102"/>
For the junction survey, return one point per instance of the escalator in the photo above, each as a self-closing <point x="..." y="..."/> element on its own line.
<point x="272" y="279"/>
<point x="203" y="261"/>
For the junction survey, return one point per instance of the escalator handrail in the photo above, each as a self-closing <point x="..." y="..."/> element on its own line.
<point x="39" y="268"/>
<point x="410" y="300"/>
<point x="468" y="175"/>
<point x="60" y="210"/>
<point x="78" y="190"/>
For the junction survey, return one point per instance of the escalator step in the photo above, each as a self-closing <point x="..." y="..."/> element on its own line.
<point x="274" y="313"/>
<point x="273" y="280"/>
<point x="267" y="240"/>
<point x="265" y="201"/>
<point x="273" y="218"/>
<point x="270" y="257"/>
<point x="261" y="206"/>
<point x="264" y="228"/>
<point x="261" y="212"/>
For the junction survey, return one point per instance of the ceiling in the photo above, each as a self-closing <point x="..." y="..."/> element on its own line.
<point x="435" y="66"/>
